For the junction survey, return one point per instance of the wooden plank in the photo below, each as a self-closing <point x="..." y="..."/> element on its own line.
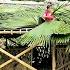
<point x="18" y="60"/>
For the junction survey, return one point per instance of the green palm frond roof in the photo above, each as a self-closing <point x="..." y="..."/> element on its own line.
<point x="27" y="16"/>
<point x="17" y="16"/>
<point x="44" y="32"/>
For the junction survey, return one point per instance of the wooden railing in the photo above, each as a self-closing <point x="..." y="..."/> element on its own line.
<point x="16" y="31"/>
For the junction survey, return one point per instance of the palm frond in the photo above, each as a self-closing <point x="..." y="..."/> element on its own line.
<point x="44" y="32"/>
<point x="63" y="14"/>
<point x="61" y="38"/>
<point x="18" y="16"/>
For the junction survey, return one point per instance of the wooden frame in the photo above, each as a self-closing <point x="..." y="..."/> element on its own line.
<point x="16" y="58"/>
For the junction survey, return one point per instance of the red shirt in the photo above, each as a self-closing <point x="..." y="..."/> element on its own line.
<point x="48" y="16"/>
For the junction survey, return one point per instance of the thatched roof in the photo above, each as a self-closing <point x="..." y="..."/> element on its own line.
<point x="18" y="16"/>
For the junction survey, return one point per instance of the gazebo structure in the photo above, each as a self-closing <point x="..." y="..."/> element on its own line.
<point x="56" y="53"/>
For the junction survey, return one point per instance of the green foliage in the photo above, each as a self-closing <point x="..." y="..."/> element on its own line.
<point x="63" y="14"/>
<point x="18" y="16"/>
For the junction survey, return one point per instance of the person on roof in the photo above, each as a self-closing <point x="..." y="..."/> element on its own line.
<point x="48" y="15"/>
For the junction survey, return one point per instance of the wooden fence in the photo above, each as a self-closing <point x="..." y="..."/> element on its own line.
<point x="60" y="58"/>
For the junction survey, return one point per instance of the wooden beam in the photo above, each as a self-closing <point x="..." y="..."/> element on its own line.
<point x="18" y="60"/>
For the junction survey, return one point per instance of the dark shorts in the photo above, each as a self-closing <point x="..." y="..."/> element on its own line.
<point x="41" y="20"/>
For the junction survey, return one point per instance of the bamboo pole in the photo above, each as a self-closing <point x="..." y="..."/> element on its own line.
<point x="63" y="66"/>
<point x="18" y="60"/>
<point x="53" y="58"/>
<point x="20" y="54"/>
<point x="12" y="32"/>
<point x="17" y="31"/>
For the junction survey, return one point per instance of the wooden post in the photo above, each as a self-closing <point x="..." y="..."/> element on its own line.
<point x="31" y="56"/>
<point x="6" y="42"/>
<point x="53" y="58"/>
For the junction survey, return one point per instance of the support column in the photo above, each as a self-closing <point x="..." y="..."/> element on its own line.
<point x="53" y="58"/>
<point x="6" y="42"/>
